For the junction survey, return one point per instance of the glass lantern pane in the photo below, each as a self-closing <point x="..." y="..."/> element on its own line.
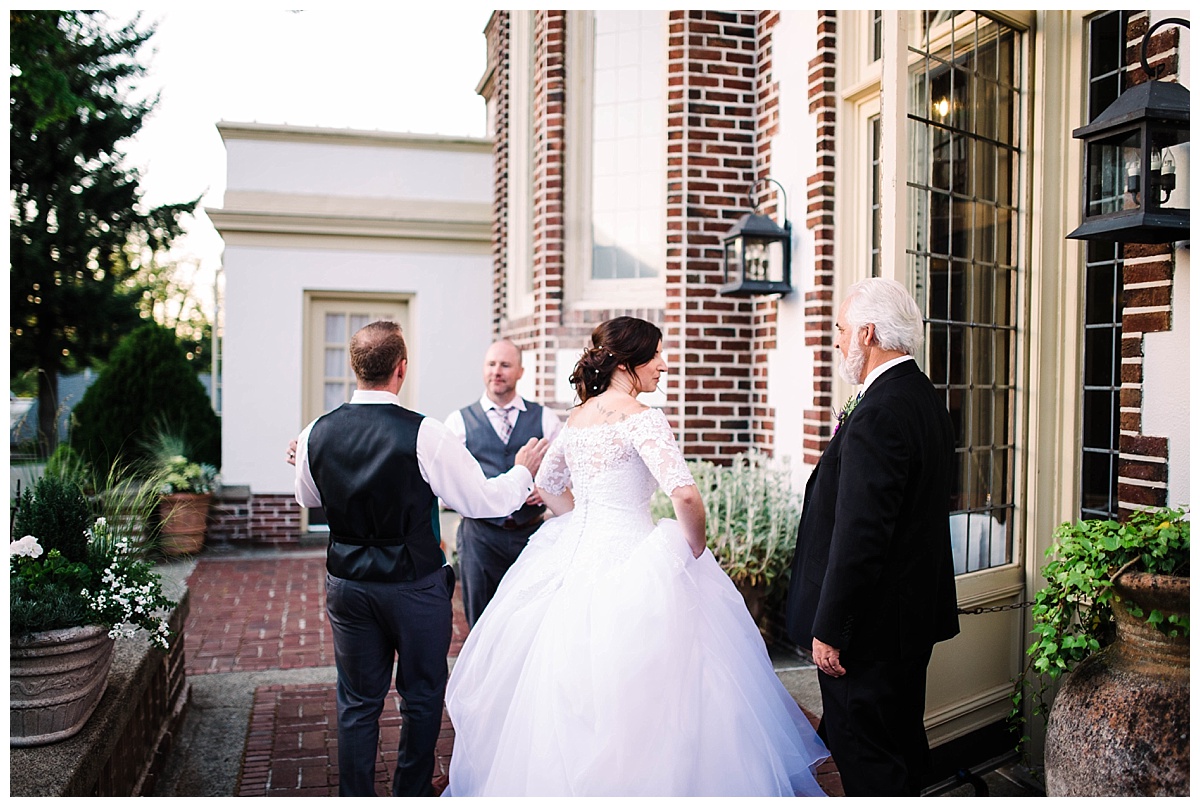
<point x="1114" y="173"/>
<point x="733" y="261"/>
<point x="1170" y="161"/>
<point x="773" y="264"/>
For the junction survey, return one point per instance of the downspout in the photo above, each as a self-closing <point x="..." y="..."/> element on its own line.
<point x="683" y="241"/>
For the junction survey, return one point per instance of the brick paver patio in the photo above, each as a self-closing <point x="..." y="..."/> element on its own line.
<point x="250" y="614"/>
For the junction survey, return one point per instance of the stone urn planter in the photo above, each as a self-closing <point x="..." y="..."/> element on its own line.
<point x="184" y="519"/>
<point x="1120" y="724"/>
<point x="56" y="679"/>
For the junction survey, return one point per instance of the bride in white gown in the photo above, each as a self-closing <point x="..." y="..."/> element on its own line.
<point x="617" y="658"/>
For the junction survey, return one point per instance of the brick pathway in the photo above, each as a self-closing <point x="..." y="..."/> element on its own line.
<point x="250" y="614"/>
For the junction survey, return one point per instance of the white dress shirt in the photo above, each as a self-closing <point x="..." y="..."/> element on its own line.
<point x="451" y="471"/>
<point x="551" y="424"/>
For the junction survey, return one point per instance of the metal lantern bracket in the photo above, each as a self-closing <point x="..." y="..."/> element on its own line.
<point x="1129" y="173"/>
<point x="747" y="245"/>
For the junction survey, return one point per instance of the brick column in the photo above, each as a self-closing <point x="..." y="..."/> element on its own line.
<point x="818" y="301"/>
<point x="711" y="144"/>
<point x="1147" y="278"/>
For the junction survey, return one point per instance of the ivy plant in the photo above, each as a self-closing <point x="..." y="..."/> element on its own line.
<point x="1072" y="614"/>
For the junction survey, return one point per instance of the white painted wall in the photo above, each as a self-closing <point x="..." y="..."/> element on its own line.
<point x="794" y="159"/>
<point x="449" y="331"/>
<point x="268" y="274"/>
<point x="363" y="171"/>
<point x="1166" y="385"/>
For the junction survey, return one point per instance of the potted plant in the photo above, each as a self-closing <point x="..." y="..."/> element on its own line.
<point x="751" y="518"/>
<point x="1112" y="621"/>
<point x="186" y="487"/>
<point x="74" y="587"/>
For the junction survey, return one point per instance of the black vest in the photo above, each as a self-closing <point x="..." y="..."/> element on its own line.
<point x="383" y="517"/>
<point x="494" y="456"/>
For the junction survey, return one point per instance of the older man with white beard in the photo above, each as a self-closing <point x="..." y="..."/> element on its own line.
<point x="872" y="585"/>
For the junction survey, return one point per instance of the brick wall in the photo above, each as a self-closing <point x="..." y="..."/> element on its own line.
<point x="818" y="301"/>
<point x="237" y="516"/>
<point x="765" y="313"/>
<point x="712" y="120"/>
<point x="1147" y="277"/>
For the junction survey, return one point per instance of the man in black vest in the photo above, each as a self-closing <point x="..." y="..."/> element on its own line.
<point x="872" y="585"/>
<point x="492" y="428"/>
<point x="378" y="469"/>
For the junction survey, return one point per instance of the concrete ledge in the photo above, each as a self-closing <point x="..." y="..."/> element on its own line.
<point x="125" y="740"/>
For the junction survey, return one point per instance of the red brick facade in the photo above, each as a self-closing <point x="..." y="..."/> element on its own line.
<point x="1148" y="276"/>
<point x="818" y="301"/>
<point x="721" y="113"/>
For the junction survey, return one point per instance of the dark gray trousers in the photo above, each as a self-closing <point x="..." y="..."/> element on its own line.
<point x="485" y="553"/>
<point x="374" y="625"/>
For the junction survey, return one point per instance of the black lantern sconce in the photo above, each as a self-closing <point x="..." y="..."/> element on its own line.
<point x="758" y="253"/>
<point x="1136" y="151"/>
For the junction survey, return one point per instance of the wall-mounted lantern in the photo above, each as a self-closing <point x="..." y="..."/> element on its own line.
<point x="758" y="253"/>
<point x="1137" y="160"/>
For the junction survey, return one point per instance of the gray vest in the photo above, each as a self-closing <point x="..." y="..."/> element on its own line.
<point x="494" y="456"/>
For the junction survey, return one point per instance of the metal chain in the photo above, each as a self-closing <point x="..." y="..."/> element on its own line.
<point x="995" y="609"/>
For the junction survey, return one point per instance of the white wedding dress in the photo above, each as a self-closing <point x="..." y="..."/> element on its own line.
<point x="612" y="662"/>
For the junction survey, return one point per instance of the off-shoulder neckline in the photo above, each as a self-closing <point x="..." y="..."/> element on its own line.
<point x="624" y="422"/>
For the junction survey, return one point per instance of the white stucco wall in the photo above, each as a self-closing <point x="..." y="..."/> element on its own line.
<point x="294" y="196"/>
<point x="448" y="333"/>
<point x="1166" y="385"/>
<point x="793" y="160"/>
<point x="364" y="171"/>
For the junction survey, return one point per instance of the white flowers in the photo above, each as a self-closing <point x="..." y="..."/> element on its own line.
<point x="25" y="547"/>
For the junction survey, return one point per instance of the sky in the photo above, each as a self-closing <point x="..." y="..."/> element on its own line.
<point x="392" y="68"/>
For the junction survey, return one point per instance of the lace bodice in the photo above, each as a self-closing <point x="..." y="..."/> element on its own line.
<point x="616" y="467"/>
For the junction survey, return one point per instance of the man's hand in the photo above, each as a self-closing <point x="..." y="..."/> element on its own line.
<point x="531" y="454"/>
<point x="291" y="453"/>
<point x="827" y="658"/>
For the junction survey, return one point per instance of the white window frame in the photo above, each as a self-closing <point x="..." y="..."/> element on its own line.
<point x="519" y="297"/>
<point x="580" y="289"/>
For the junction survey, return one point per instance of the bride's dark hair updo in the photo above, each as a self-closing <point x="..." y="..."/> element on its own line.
<point x="621" y="342"/>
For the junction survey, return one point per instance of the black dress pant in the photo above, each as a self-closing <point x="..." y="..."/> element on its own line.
<point x="873" y="724"/>
<point x="374" y="625"/>
<point x="485" y="553"/>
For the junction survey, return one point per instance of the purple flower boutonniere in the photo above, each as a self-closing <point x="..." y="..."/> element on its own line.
<point x="847" y="408"/>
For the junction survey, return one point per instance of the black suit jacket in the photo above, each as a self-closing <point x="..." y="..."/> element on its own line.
<point x="873" y="574"/>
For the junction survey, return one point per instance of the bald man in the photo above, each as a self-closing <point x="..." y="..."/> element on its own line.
<point x="493" y="428"/>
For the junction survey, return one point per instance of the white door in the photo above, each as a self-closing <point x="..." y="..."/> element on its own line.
<point x="328" y="380"/>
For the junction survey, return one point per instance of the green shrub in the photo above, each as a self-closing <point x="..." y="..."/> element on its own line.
<point x="751" y="518"/>
<point x="146" y="384"/>
<point x="57" y="513"/>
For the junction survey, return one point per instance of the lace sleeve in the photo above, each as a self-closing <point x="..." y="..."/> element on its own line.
<point x="655" y="443"/>
<point x="553" y="475"/>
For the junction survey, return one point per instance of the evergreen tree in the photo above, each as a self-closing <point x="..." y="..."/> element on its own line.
<point x="147" y="388"/>
<point x="74" y="204"/>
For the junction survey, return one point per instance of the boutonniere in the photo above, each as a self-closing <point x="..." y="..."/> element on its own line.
<point x="847" y="408"/>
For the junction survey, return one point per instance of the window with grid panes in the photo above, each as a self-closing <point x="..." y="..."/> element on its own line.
<point x="964" y="140"/>
<point x="1103" y="302"/>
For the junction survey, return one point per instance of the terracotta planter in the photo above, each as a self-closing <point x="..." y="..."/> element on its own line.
<point x="184" y="522"/>
<point x="56" y="679"/>
<point x="1120" y="723"/>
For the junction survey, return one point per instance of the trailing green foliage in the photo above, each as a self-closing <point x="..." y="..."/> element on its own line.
<point x="751" y="518"/>
<point x="1072" y="614"/>
<point x="147" y="386"/>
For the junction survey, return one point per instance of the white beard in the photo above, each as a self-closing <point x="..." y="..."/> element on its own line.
<point x="850" y="366"/>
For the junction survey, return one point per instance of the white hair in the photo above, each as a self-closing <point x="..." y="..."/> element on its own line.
<point x="888" y="306"/>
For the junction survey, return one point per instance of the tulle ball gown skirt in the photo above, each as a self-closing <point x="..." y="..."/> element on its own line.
<point x="612" y="662"/>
